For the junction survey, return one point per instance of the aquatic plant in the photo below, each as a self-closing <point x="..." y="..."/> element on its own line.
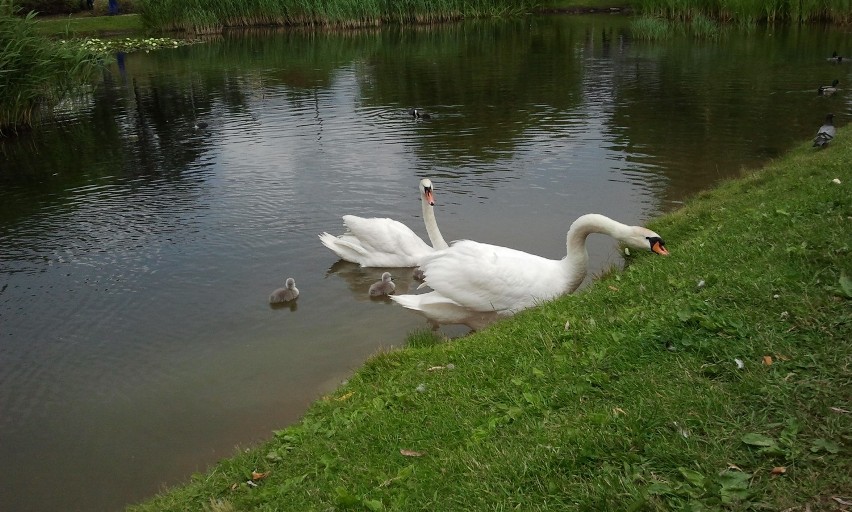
<point x="34" y="71"/>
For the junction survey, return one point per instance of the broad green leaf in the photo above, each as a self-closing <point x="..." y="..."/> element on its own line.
<point x="753" y="439"/>
<point x="693" y="477"/>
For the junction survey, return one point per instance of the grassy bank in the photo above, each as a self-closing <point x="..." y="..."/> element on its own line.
<point x="717" y="378"/>
<point x="87" y="25"/>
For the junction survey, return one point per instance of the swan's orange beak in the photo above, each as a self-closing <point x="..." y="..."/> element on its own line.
<point x="659" y="249"/>
<point x="429" y="197"/>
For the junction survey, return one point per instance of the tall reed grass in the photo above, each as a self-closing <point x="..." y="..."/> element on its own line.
<point x="748" y="12"/>
<point x="208" y="16"/>
<point x="34" y="71"/>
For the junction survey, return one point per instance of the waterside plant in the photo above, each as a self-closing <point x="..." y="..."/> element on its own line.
<point x="715" y="379"/>
<point x="750" y="11"/>
<point x="208" y="16"/>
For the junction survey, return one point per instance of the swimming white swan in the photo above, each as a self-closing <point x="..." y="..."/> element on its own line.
<point x="383" y="287"/>
<point x="286" y="294"/>
<point x="379" y="242"/>
<point x="475" y="283"/>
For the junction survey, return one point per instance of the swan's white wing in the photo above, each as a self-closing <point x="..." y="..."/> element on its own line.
<point x="484" y="277"/>
<point x="442" y="310"/>
<point x="377" y="242"/>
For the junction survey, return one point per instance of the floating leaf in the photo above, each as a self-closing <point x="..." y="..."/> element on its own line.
<point x="411" y="453"/>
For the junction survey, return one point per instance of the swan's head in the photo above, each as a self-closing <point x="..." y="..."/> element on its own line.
<point x="386" y="277"/>
<point x="426" y="191"/>
<point x="645" y="239"/>
<point x="290" y="283"/>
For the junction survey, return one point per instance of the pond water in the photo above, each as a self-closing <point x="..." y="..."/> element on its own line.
<point x="142" y="231"/>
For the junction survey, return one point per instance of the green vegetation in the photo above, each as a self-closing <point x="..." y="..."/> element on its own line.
<point x="205" y="16"/>
<point x="76" y="26"/>
<point x="717" y="378"/>
<point x="750" y="11"/>
<point x="34" y="71"/>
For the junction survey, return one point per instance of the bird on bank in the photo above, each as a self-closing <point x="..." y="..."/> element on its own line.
<point x="286" y="294"/>
<point x="384" y="287"/>
<point x="825" y="133"/>
<point x="828" y="90"/>
<point x="475" y="283"/>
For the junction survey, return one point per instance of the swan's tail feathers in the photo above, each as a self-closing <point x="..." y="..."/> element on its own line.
<point x="822" y="139"/>
<point x="343" y="248"/>
<point x="407" y="301"/>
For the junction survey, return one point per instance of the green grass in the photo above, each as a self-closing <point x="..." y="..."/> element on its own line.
<point x="639" y="405"/>
<point x="77" y="26"/>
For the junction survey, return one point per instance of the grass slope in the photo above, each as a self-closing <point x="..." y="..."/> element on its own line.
<point x="639" y="405"/>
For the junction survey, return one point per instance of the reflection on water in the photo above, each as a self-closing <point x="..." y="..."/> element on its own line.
<point x="144" y="229"/>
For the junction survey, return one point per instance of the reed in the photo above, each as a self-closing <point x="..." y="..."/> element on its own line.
<point x="35" y="72"/>
<point x="208" y="16"/>
<point x="750" y="12"/>
<point x="651" y="28"/>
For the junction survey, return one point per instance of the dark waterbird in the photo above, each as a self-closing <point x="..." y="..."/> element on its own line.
<point x="825" y="132"/>
<point x="417" y="113"/>
<point x="837" y="58"/>
<point x="828" y="90"/>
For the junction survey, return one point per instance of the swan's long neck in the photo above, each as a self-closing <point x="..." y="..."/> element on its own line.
<point x="432" y="225"/>
<point x="577" y="260"/>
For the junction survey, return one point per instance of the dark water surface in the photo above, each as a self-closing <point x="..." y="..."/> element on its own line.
<point x="142" y="231"/>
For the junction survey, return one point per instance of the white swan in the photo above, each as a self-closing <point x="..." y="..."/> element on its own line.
<point x="476" y="283"/>
<point x="286" y="294"/>
<point x="384" y="287"/>
<point x="379" y="242"/>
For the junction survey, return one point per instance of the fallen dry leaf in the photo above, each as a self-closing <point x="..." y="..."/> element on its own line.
<point x="411" y="453"/>
<point x="613" y="288"/>
<point x="779" y="470"/>
<point x="234" y="487"/>
<point x="344" y="397"/>
<point x="839" y="410"/>
<point x="767" y="360"/>
<point x="734" y="466"/>
<point x="618" y="410"/>
<point x="433" y="368"/>
<point x="841" y="500"/>
<point x="259" y="476"/>
<point x="782" y="357"/>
